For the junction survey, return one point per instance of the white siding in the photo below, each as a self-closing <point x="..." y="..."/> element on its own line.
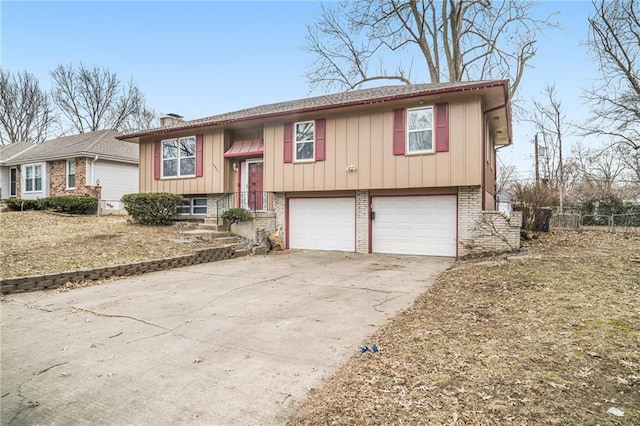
<point x="4" y="182"/>
<point x="116" y="179"/>
<point x="34" y="195"/>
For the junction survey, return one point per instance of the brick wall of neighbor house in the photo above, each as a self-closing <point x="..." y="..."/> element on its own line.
<point x="279" y="209"/>
<point x="362" y="221"/>
<point x="58" y="179"/>
<point x="482" y="231"/>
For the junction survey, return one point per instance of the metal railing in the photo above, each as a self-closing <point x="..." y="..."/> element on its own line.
<point x="576" y="220"/>
<point x="256" y="201"/>
<point x="252" y="201"/>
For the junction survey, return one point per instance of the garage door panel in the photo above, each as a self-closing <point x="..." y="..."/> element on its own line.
<point x="424" y="225"/>
<point x="322" y="224"/>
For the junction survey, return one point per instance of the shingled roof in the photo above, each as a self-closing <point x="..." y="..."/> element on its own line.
<point x="103" y="143"/>
<point x="7" y="152"/>
<point x="337" y="100"/>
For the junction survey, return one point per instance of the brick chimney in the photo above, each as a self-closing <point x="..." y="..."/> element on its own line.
<point x="171" y="119"/>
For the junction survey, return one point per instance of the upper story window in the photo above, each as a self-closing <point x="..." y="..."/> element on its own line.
<point x="71" y="174"/>
<point x="33" y="177"/>
<point x="420" y="130"/>
<point x="304" y="141"/>
<point x="179" y="157"/>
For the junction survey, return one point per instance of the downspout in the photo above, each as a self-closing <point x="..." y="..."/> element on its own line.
<point x="93" y="182"/>
<point x="92" y="167"/>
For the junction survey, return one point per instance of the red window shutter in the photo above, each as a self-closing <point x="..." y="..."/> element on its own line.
<point x="320" y="132"/>
<point x="199" y="171"/>
<point x="157" y="149"/>
<point x="398" y="131"/>
<point x="442" y="127"/>
<point x="288" y="143"/>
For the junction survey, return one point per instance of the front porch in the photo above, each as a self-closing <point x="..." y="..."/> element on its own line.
<point x="259" y="204"/>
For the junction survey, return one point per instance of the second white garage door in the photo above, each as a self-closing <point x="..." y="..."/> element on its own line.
<point x="424" y="225"/>
<point x="322" y="223"/>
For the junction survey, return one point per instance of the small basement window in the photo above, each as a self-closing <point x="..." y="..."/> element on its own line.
<point x="193" y="206"/>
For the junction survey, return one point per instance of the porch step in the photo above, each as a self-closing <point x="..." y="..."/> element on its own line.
<point x="212" y="226"/>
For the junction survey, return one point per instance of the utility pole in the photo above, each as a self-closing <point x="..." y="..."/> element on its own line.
<point x="535" y="141"/>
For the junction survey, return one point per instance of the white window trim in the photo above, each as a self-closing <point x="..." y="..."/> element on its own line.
<point x="13" y="194"/>
<point x="178" y="158"/>
<point x="192" y="205"/>
<point x="433" y="132"/>
<point x="34" y="165"/>
<point x="75" y="165"/>
<point x="295" y="142"/>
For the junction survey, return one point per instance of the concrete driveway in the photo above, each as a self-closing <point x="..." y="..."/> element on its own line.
<point x="241" y="341"/>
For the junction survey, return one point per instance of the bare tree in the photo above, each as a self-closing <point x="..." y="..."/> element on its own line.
<point x="452" y="40"/>
<point x="505" y="177"/>
<point x="597" y="173"/>
<point x="94" y="98"/>
<point x="26" y="113"/>
<point x="615" y="98"/>
<point x="549" y="119"/>
<point x="142" y="119"/>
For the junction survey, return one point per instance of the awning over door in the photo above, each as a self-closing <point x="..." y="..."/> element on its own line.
<point x="247" y="148"/>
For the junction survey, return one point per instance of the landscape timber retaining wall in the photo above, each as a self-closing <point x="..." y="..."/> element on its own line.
<point x="51" y="281"/>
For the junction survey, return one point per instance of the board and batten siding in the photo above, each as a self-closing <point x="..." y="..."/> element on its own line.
<point x="212" y="181"/>
<point x="365" y="140"/>
<point x="116" y="179"/>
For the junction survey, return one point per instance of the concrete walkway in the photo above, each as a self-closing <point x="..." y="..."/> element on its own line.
<point x="240" y="341"/>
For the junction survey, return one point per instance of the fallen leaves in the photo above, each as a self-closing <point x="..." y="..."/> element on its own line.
<point x="35" y="242"/>
<point x="539" y="339"/>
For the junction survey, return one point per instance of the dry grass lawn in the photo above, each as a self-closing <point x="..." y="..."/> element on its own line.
<point x="551" y="336"/>
<point x="35" y="242"/>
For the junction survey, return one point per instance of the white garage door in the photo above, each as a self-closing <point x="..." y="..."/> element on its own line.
<point x="322" y="223"/>
<point x="424" y="225"/>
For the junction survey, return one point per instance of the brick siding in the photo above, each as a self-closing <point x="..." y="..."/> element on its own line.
<point x="484" y="231"/>
<point x="362" y="221"/>
<point x="279" y="209"/>
<point x="58" y="179"/>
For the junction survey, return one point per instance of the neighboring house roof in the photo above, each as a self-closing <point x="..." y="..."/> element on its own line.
<point x="344" y="99"/>
<point x="103" y="144"/>
<point x="8" y="152"/>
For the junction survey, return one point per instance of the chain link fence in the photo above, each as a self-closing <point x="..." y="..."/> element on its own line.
<point x="577" y="220"/>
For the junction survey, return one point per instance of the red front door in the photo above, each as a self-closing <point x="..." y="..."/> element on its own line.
<point x="255" y="195"/>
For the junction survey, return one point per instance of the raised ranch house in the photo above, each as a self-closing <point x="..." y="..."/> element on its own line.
<point x="398" y="169"/>
<point x="94" y="163"/>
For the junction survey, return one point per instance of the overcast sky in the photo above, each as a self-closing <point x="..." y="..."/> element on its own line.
<point x="203" y="58"/>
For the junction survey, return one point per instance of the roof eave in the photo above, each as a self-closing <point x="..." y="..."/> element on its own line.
<point x="135" y="137"/>
<point x="72" y="155"/>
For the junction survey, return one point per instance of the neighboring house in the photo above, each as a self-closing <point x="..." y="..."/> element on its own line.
<point x="396" y="169"/>
<point x="9" y="174"/>
<point x="95" y="163"/>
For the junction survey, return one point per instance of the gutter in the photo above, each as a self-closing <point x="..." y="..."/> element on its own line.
<point x="368" y="101"/>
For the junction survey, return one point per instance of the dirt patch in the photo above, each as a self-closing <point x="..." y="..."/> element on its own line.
<point x="41" y="243"/>
<point x="551" y="336"/>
